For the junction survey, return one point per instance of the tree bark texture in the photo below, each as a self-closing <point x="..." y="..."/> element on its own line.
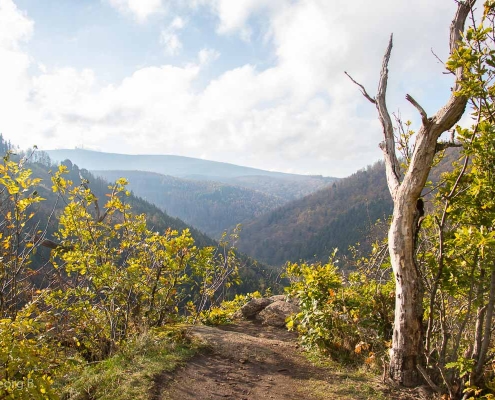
<point x="407" y="341"/>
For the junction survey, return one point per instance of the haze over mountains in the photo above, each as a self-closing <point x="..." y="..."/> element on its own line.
<point x="178" y="166"/>
<point x="211" y="196"/>
<point x="211" y="207"/>
<point x="285" y="217"/>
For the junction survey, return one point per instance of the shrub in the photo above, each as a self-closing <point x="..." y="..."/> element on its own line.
<point x="350" y="318"/>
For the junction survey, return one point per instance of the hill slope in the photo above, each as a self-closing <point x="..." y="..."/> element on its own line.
<point x="208" y="206"/>
<point x="338" y="216"/>
<point x="157" y="219"/>
<point x="311" y="227"/>
<point x="253" y="274"/>
<point x="287" y="188"/>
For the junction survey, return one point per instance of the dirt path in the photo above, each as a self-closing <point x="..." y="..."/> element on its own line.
<point x="248" y="361"/>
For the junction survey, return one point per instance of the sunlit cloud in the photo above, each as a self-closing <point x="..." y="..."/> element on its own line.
<point x="298" y="112"/>
<point x="139" y="9"/>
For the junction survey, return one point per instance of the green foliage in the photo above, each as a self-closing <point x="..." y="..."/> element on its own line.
<point x="26" y="358"/>
<point x="111" y="279"/>
<point x="215" y="268"/>
<point x="17" y="241"/>
<point x="224" y="313"/>
<point x="463" y="366"/>
<point x="348" y="316"/>
<point x="457" y="249"/>
<point x="116" y="277"/>
<point x="316" y="287"/>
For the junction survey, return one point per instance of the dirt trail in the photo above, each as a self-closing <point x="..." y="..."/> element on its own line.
<point x="250" y="361"/>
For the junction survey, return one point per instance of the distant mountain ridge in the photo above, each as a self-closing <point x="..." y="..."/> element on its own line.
<point x="178" y="166"/>
<point x="284" y="185"/>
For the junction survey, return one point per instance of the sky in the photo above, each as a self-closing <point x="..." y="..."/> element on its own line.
<point x="258" y="83"/>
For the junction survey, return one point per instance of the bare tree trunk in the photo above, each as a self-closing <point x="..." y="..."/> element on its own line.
<point x="408" y="333"/>
<point x="480" y="362"/>
<point x="407" y="341"/>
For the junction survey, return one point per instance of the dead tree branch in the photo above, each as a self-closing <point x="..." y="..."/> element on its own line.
<point x="425" y="375"/>
<point x="388" y="146"/>
<point x="424" y="116"/>
<point x="50" y="244"/>
<point x="445" y="145"/>
<point x="363" y="90"/>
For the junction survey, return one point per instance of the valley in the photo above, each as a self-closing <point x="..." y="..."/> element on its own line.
<point x="283" y="217"/>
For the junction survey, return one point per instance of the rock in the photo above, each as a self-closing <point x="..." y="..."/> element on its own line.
<point x="278" y="297"/>
<point x="276" y="313"/>
<point x="253" y="307"/>
<point x="283" y="297"/>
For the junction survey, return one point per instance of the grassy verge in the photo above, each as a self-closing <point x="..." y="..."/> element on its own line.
<point x="345" y="382"/>
<point x="133" y="373"/>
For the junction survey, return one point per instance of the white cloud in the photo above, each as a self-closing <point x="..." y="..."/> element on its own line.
<point x="171" y="42"/>
<point x="169" y="37"/>
<point x="15" y="26"/>
<point x="234" y="15"/>
<point x="177" y="24"/>
<point x="300" y="114"/>
<point x="207" y="56"/>
<point x="140" y="9"/>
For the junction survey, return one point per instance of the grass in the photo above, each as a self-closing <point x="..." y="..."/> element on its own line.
<point x="345" y="382"/>
<point x="131" y="373"/>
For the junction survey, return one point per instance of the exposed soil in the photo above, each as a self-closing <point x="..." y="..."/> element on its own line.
<point x="250" y="361"/>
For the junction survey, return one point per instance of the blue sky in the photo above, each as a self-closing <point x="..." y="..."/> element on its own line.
<point x="251" y="82"/>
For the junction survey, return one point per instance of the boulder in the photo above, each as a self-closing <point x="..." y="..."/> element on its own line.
<point x="276" y="313"/>
<point x="278" y="297"/>
<point x="283" y="297"/>
<point x="252" y="308"/>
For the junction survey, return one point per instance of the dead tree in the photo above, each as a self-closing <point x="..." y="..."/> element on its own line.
<point x="407" y="342"/>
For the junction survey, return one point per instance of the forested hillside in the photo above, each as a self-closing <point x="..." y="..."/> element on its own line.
<point x="288" y="188"/>
<point x="157" y="219"/>
<point x="283" y="185"/>
<point x="253" y="274"/>
<point x="311" y="227"/>
<point x="274" y="229"/>
<point x="208" y="206"/>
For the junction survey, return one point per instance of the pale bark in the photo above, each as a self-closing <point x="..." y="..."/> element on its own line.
<point x="407" y="341"/>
